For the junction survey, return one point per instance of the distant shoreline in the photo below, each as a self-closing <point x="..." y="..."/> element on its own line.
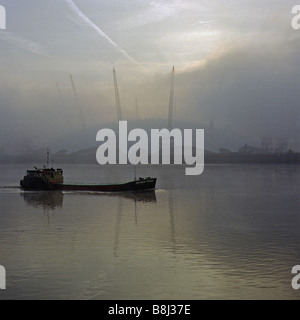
<point x="88" y="157"/>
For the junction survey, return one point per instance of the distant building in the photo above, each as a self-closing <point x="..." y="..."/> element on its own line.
<point x="254" y="150"/>
<point x="282" y="146"/>
<point x="267" y="143"/>
<point x="224" y="150"/>
<point x="2" y="153"/>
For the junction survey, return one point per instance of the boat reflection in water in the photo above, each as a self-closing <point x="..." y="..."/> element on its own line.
<point x="50" y="200"/>
<point x="139" y="196"/>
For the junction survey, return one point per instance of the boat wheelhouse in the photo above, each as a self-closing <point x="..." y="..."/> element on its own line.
<point x="42" y="179"/>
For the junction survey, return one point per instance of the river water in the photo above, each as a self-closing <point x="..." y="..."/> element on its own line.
<point x="230" y="233"/>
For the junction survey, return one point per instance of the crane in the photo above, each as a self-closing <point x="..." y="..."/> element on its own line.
<point x="117" y="96"/>
<point x="171" y="101"/>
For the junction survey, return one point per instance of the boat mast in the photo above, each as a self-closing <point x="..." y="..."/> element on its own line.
<point x="48" y="158"/>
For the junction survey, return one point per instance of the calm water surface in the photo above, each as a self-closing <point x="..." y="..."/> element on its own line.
<point x="231" y="233"/>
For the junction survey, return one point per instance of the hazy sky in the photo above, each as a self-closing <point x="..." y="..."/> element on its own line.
<point x="237" y="66"/>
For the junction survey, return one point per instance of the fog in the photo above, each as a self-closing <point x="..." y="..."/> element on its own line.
<point x="237" y="70"/>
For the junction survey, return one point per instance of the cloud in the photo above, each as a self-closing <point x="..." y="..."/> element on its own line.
<point x="24" y="43"/>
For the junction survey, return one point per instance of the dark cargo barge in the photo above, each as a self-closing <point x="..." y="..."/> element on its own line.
<point x="52" y="179"/>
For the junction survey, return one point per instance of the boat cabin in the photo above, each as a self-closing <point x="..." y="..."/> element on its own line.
<point x="52" y="176"/>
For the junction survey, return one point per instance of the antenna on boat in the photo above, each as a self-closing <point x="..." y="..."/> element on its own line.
<point x="47" y="158"/>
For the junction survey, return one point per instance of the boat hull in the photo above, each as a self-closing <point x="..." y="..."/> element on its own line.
<point x="137" y="185"/>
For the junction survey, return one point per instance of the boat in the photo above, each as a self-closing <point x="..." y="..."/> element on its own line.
<point x="52" y="179"/>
